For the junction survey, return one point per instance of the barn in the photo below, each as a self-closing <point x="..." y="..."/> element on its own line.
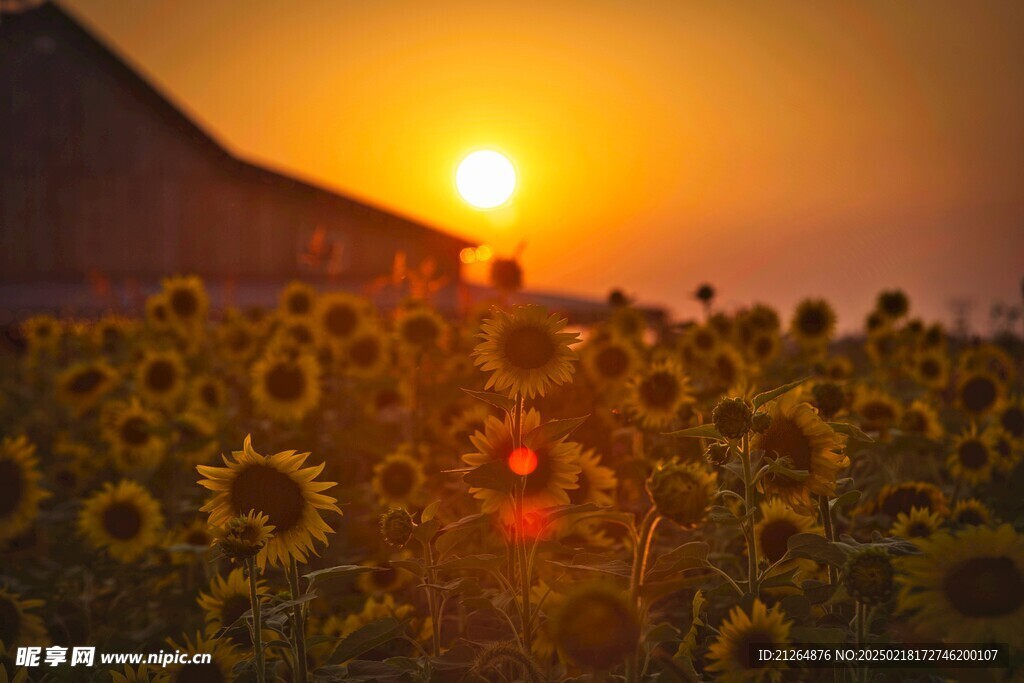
<point x="104" y="181"/>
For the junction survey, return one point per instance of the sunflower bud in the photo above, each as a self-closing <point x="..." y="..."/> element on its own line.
<point x="732" y="418"/>
<point x="829" y="398"/>
<point x="396" y="526"/>
<point x="868" y="576"/>
<point x="682" y="492"/>
<point x="717" y="454"/>
<point x="760" y="422"/>
<point x="242" y="538"/>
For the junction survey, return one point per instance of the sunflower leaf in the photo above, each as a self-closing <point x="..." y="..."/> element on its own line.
<point x="430" y="511"/>
<point x="499" y="401"/>
<point x="852" y="431"/>
<point x="687" y="556"/>
<point x="552" y="431"/>
<point x="555" y="513"/>
<point x="340" y="571"/>
<point x="448" y="540"/>
<point x="412" y="565"/>
<point x="705" y="431"/>
<point x="493" y="475"/>
<point x="595" y="563"/>
<point x="485" y="561"/>
<point x="847" y="499"/>
<point x="425" y="532"/>
<point x="372" y="635"/>
<point x="766" y="396"/>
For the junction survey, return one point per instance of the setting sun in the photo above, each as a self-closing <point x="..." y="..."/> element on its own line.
<point x="485" y="179"/>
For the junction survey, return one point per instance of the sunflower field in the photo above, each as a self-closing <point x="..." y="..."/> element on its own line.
<point x="330" y="492"/>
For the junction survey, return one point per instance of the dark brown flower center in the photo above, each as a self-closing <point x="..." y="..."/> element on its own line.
<point x="978" y="394"/>
<point x="285" y="382"/>
<point x="985" y="587"/>
<point x="973" y="454"/>
<point x="812" y="321"/>
<point x="12" y="487"/>
<point x="161" y="376"/>
<point x="930" y="368"/>
<point x="529" y="348"/>
<point x="775" y="538"/>
<point x="211" y="397"/>
<point x="612" y="362"/>
<point x="785" y="439"/>
<point x="123" y="520"/>
<point x="86" y="380"/>
<point x="364" y="352"/>
<point x="299" y="303"/>
<point x="340" y="320"/>
<point x="184" y="303"/>
<point x="970" y="516"/>
<point x="659" y="390"/>
<point x="135" y="431"/>
<point x="270" y="491"/>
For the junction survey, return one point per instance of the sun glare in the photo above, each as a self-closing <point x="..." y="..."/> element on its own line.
<point x="485" y="179"/>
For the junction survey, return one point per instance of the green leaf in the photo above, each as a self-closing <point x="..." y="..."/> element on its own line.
<point x="797" y="606"/>
<point x="412" y="565"/>
<point x="660" y="633"/>
<point x="494" y="475"/>
<point x="766" y="396"/>
<point x="339" y="571"/>
<point x="464" y="585"/>
<point x="552" y="514"/>
<point x="372" y="635"/>
<point x="852" y="431"/>
<point x="781" y="467"/>
<point x="552" y="431"/>
<point x="847" y="499"/>
<point x="499" y="401"/>
<point x="687" y="556"/>
<point x="720" y="514"/>
<point x="780" y="580"/>
<point x="425" y="532"/>
<point x="449" y="540"/>
<point x="468" y="520"/>
<point x="485" y="561"/>
<point x="430" y="511"/>
<point x="705" y="431"/>
<point x="596" y="563"/>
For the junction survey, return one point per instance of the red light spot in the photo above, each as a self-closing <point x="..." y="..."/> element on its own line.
<point x="523" y="461"/>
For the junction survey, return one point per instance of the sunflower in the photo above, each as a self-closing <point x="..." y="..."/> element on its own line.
<point x="596" y="627"/>
<point x="1010" y="415"/>
<point x="42" y="334"/>
<point x="728" y="368"/>
<point x="389" y="402"/>
<point x="967" y="587"/>
<point x="970" y="512"/>
<point x="19" y="625"/>
<point x="682" y="491"/>
<point x="973" y="457"/>
<point x="797" y="433"/>
<point x="526" y="351"/>
<point x="878" y="411"/>
<point x="904" y="497"/>
<point x="244" y="536"/>
<point x="468" y="421"/>
<point x="657" y="393"/>
<point x="557" y="469"/>
<point x="236" y="339"/>
<point x="729" y="654"/>
<point x="628" y="322"/>
<point x="777" y="525"/>
<point x="83" y="385"/>
<point x="20" y="494"/>
<point x="420" y="329"/>
<point x="919" y="523"/>
<point x="893" y="304"/>
<point x="988" y="358"/>
<point x="123" y="518"/>
<point x="158" y="314"/>
<point x="279" y="487"/>
<point x="111" y="334"/>
<point x="186" y="299"/>
<point x="921" y="419"/>
<point x="1007" y="448"/>
<point x="763" y="347"/>
<point x="702" y="340"/>
<point x="838" y="368"/>
<point x="298" y="300"/>
<point x="195" y="534"/>
<point x="597" y="483"/>
<point x="221" y="669"/>
<point x="209" y="394"/>
<point x="160" y="378"/>
<point x="398" y="479"/>
<point x="367" y="353"/>
<point x="225" y="604"/>
<point x="931" y="369"/>
<point x="979" y="392"/>
<point x="610" y="361"/>
<point x="286" y="386"/>
<point x="132" y="432"/>
<point x="813" y="322"/>
<point x="295" y="335"/>
<point x="339" y="315"/>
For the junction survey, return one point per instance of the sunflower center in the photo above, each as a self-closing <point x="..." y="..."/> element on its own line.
<point x="10" y="621"/>
<point x="529" y="348"/>
<point x="985" y="587"/>
<point x="421" y="331"/>
<point x="397" y="480"/>
<point x="184" y="303"/>
<point x="919" y="529"/>
<point x="340" y="321"/>
<point x="299" y="303"/>
<point x="85" y="381"/>
<point x="970" y="516"/>
<point x="122" y="520"/>
<point x="775" y="538"/>
<point x="210" y="395"/>
<point x="161" y="376"/>
<point x="612" y="362"/>
<point x="660" y="390"/>
<point x="12" y="487"/>
<point x="387" y="398"/>
<point x="754" y="636"/>
<point x="200" y="673"/>
<point x="763" y="346"/>
<point x="812" y="321"/>
<point x="1012" y="420"/>
<point x="364" y="352"/>
<point x="929" y="368"/>
<point x="135" y="431"/>
<point x="785" y="439"/>
<point x="704" y="340"/>
<point x="978" y="393"/>
<point x="270" y="491"/>
<point x="973" y="455"/>
<point x="285" y="382"/>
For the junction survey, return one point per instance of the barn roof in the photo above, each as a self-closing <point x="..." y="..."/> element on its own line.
<point x="48" y="16"/>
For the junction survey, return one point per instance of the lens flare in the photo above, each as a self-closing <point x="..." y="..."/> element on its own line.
<point x="523" y="461"/>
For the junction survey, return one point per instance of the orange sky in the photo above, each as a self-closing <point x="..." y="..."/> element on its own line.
<point x="776" y="149"/>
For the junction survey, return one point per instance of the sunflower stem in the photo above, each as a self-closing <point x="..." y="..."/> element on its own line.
<point x="830" y="531"/>
<point x="298" y="625"/>
<point x="748" y="523"/>
<point x="435" y="635"/>
<point x="640" y="553"/>
<point x="522" y="553"/>
<point x="257" y="622"/>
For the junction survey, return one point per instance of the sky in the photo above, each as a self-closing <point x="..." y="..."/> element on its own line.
<point x="775" y="149"/>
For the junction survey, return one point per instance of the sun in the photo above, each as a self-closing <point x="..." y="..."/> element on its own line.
<point x="485" y="179"/>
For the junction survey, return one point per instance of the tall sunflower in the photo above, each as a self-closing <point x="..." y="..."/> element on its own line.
<point x="1010" y="414"/>
<point x="160" y="378"/>
<point x="813" y="322"/>
<point x="42" y="334"/>
<point x="557" y="470"/>
<point x="20" y="494"/>
<point x="729" y="654"/>
<point x="236" y="339"/>
<point x="279" y="487"/>
<point x="83" y="385"/>
<point x="657" y="393"/>
<point x="967" y="587"/>
<point x="186" y="299"/>
<point x="796" y="432"/>
<point x="20" y="626"/>
<point x="286" y="386"/>
<point x="226" y="602"/>
<point x="133" y="433"/>
<point x="158" y="315"/>
<point x="209" y="394"/>
<point x="122" y="518"/>
<point x="525" y="350"/>
<point x="398" y="479"/>
<point x="973" y="457"/>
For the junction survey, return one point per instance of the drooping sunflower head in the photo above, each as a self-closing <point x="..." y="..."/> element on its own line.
<point x="83" y="385"/>
<point x="243" y="537"/>
<point x="973" y="456"/>
<point x="878" y="411"/>
<point x="777" y="525"/>
<point x="813" y="322"/>
<point x="187" y="302"/>
<point x="979" y="392"/>
<point x="682" y="491"/>
<point x="396" y="526"/>
<point x="657" y="393"/>
<point x="398" y="479"/>
<point x="596" y="627"/>
<point x="123" y="518"/>
<point x="224" y="655"/>
<point x="227" y="600"/>
<point x="919" y="523"/>
<point x="967" y="587"/>
<point x="921" y="419"/>
<point x="420" y="329"/>
<point x="525" y="350"/>
<point x="286" y="386"/>
<point x="798" y="434"/>
<point x="970" y="512"/>
<point x="277" y="486"/>
<point x="20" y="494"/>
<point x="610" y="361"/>
<point x="20" y="626"/>
<point x="298" y="300"/>
<point x="729" y="655"/>
<point x="133" y="433"/>
<point x="732" y="417"/>
<point x="160" y="378"/>
<point x="869" y="576"/>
